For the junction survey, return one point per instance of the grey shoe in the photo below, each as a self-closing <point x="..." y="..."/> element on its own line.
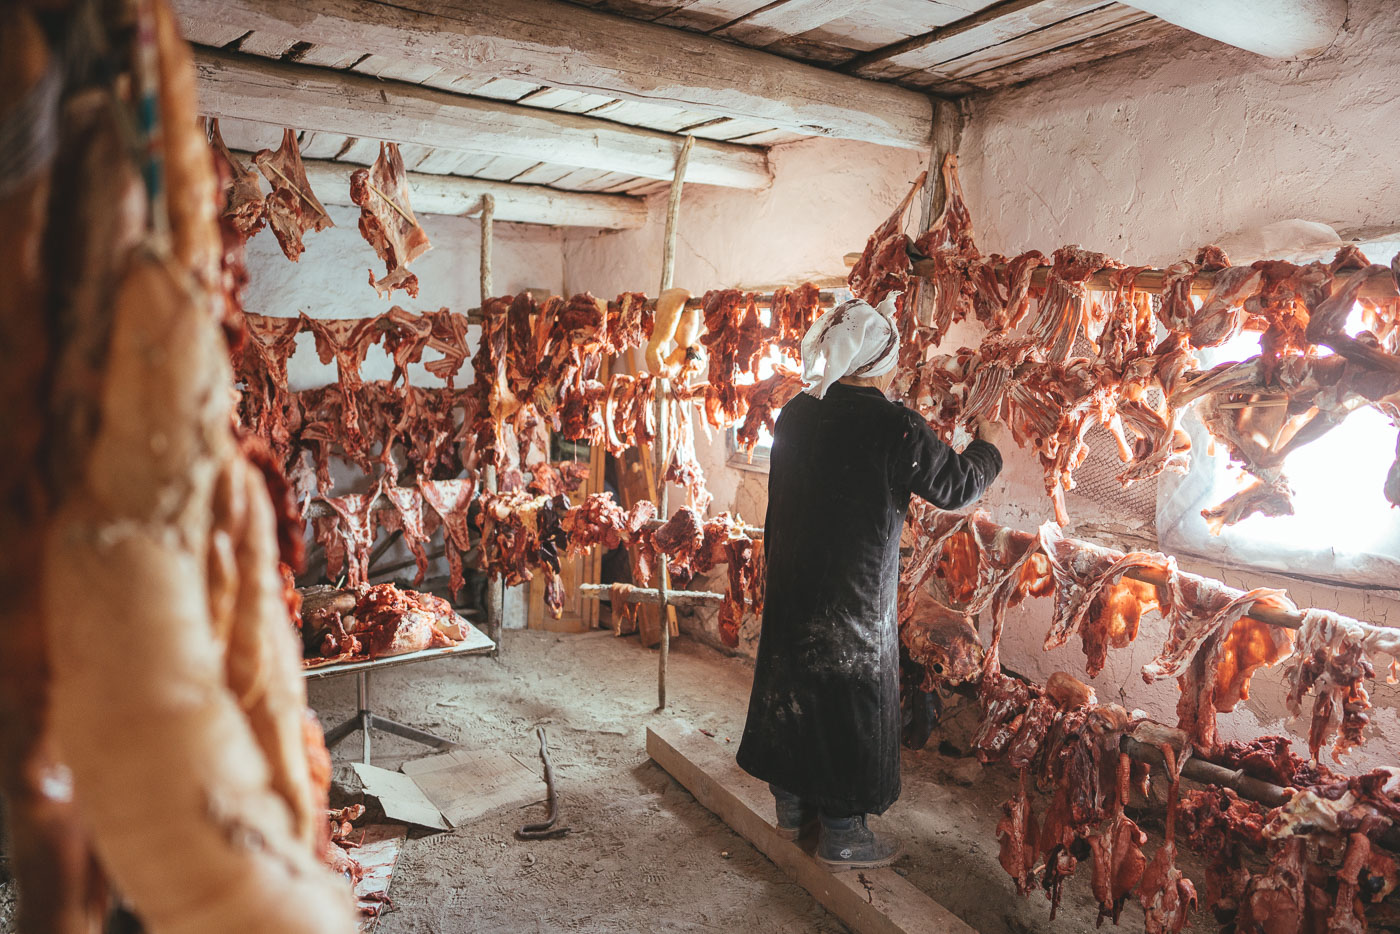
<point x="847" y="843"/>
<point x="793" y="815"/>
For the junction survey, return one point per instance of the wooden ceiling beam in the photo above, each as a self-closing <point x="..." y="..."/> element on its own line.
<point x="455" y="195"/>
<point x="566" y="46"/>
<point x="307" y="98"/>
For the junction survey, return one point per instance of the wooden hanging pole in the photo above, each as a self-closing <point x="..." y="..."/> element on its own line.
<point x="668" y="271"/>
<point x="488" y="219"/>
<point x="495" y="590"/>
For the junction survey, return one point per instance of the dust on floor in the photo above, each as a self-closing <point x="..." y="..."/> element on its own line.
<point x="644" y="856"/>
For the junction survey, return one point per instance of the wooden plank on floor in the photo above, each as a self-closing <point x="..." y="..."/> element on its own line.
<point x="872" y="901"/>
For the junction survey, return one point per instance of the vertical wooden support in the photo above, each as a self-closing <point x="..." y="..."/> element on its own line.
<point x="947" y="133"/>
<point x="663" y="442"/>
<point x="495" y="590"/>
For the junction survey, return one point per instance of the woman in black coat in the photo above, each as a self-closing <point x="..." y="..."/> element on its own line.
<point x="823" y="720"/>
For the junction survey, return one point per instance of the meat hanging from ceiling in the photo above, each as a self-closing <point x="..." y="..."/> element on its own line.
<point x="244" y="204"/>
<point x="387" y="221"/>
<point x="884" y="265"/>
<point x="292" y="207"/>
<point x="1057" y="359"/>
<point x="152" y="533"/>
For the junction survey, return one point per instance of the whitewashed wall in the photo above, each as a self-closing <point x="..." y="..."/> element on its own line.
<point x="1148" y="157"/>
<point x="825" y="199"/>
<point x="1155" y="153"/>
<point x="331" y="280"/>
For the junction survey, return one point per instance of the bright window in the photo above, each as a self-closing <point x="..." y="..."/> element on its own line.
<point x="1343" y="528"/>
<point x="771" y="358"/>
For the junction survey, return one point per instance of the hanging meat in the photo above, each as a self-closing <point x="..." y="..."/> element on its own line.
<point x="243" y="199"/>
<point x="792" y="313"/>
<point x="154" y="570"/>
<point x="292" y="208"/>
<point x="732" y="339"/>
<point x="1213" y="648"/>
<point x="884" y="265"/>
<point x="1078" y="360"/>
<point x="1167" y="896"/>
<point x="1118" y="861"/>
<point x="760" y="401"/>
<point x="1333" y="661"/>
<point x="347" y="535"/>
<point x="1092" y="597"/>
<point x="521" y="532"/>
<point x="387" y="221"/>
<point x="450" y="501"/>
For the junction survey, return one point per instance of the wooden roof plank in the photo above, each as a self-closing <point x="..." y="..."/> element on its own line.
<point x="542" y="173"/>
<point x="505" y="168"/>
<point x="210" y="32"/>
<point x="505" y="89"/>
<point x="782" y="18"/>
<point x="267" y="44"/>
<point x="1067" y="33"/>
<point x="549" y="43"/>
<point x="1096" y="48"/>
<point x="995" y="24"/>
<point x="327" y="56"/>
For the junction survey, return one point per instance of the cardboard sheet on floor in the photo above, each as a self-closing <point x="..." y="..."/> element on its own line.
<point x="466" y="783"/>
<point x="377" y="853"/>
<point x="400" y="797"/>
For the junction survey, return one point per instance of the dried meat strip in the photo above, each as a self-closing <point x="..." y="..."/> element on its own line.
<point x="244" y="205"/>
<point x="387" y="220"/>
<point x="451" y="501"/>
<point x="292" y="208"/>
<point x="347" y="535"/>
<point x="1093" y="599"/>
<point x="406" y="516"/>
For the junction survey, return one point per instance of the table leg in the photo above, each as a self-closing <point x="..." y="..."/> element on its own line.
<point x="366" y="718"/>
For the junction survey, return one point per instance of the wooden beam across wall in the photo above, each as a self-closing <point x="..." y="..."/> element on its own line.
<point x="452" y="194"/>
<point x="307" y="98"/>
<point x="567" y="46"/>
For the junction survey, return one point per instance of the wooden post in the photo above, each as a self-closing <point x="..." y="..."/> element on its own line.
<point x="668" y="270"/>
<point x="947" y="133"/>
<point x="495" y="590"/>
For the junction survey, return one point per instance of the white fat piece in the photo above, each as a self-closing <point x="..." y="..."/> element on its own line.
<point x="853" y="339"/>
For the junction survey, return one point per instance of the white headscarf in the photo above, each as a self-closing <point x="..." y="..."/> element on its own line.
<point x="853" y="339"/>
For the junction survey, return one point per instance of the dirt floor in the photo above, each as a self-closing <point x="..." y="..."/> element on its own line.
<point x="644" y="855"/>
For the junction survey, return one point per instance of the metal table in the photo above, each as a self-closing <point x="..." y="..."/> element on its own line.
<point x="365" y="719"/>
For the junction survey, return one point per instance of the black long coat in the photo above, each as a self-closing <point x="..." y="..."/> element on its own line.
<point x="823" y="718"/>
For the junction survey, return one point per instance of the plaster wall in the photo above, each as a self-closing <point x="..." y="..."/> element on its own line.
<point x="331" y="280"/>
<point x="1152" y="154"/>
<point x="825" y="199"/>
<point x="1147" y="157"/>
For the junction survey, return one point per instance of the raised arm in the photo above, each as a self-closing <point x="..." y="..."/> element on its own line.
<point x="937" y="473"/>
